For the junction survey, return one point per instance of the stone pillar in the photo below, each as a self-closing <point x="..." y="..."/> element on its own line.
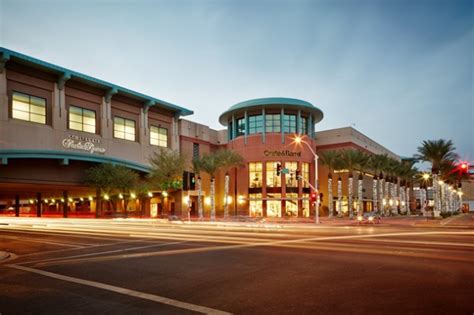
<point x="65" y="204"/>
<point x="175" y="133"/>
<point x="3" y="96"/>
<point x="38" y="204"/>
<point x="17" y="205"/>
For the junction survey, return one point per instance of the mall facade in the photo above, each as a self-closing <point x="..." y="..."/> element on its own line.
<point x="56" y="123"/>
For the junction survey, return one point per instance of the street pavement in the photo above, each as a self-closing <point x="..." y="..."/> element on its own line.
<point x="126" y="266"/>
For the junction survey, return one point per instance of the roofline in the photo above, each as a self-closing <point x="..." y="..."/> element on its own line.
<point x="5" y="155"/>
<point x="8" y="54"/>
<point x="352" y="128"/>
<point x="270" y="102"/>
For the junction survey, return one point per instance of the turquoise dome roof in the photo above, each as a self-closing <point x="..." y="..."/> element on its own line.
<point x="272" y="103"/>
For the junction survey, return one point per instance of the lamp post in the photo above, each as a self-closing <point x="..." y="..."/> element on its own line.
<point x="298" y="140"/>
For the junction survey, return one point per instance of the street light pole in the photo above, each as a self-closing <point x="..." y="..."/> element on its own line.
<point x="316" y="184"/>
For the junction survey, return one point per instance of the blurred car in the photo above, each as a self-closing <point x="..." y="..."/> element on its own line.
<point x="369" y="218"/>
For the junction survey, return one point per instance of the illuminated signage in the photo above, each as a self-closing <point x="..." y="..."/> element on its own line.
<point x="282" y="153"/>
<point x="83" y="143"/>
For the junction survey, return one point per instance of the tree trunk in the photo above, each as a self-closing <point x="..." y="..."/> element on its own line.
<point x="339" y="197"/>
<point x="330" y="197"/>
<point x="359" y="196"/>
<point x="407" y="198"/>
<point x="386" y="209"/>
<point x="381" y="196"/>
<point x="226" y="195"/>
<point x="350" y="188"/>
<point x="213" y="199"/>
<point x="422" y="200"/>
<point x="402" y="200"/>
<point x="199" y="186"/>
<point x="374" y="195"/>
<point x="436" y="199"/>
<point x="394" y="198"/>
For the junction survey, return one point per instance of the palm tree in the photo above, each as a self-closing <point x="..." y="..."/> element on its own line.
<point x="407" y="173"/>
<point x="228" y="159"/>
<point x="331" y="160"/>
<point x="362" y="167"/>
<point x="349" y="161"/>
<point x="209" y="163"/>
<point x="197" y="170"/>
<point x="378" y="164"/>
<point x="436" y="152"/>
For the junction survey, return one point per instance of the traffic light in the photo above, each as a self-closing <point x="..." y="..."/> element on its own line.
<point x="313" y="197"/>
<point x="464" y="167"/>
<point x="321" y="197"/>
<point x="192" y="181"/>
<point x="185" y="180"/>
<point x="278" y="169"/>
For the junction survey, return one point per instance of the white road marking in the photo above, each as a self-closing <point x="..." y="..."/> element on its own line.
<point x="98" y="253"/>
<point x="137" y="294"/>
<point x="41" y="241"/>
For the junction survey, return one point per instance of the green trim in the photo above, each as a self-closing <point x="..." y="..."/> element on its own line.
<point x="65" y="157"/>
<point x="269" y="102"/>
<point x="64" y="73"/>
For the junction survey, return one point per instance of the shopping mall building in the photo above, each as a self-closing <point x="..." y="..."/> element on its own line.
<point x="56" y="123"/>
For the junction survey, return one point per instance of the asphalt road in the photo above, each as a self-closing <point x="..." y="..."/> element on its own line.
<point x="140" y="267"/>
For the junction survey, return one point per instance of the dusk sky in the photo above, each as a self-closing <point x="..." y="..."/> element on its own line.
<point x="398" y="71"/>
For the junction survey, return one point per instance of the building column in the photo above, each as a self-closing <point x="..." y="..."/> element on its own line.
<point x="17" y="205"/>
<point x="3" y="96"/>
<point x="298" y="122"/>
<point x="65" y="204"/>
<point x="246" y="118"/>
<point x="38" y="204"/>
<point x="3" y="86"/>
<point x="310" y="126"/>
<point x="175" y="133"/>
<point x="98" y="204"/>
<point x="234" y="127"/>
<point x="282" y="120"/>
<point x="264" y="122"/>
<point x="106" y="123"/>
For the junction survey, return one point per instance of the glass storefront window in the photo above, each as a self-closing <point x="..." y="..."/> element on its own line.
<point x="272" y="179"/>
<point x="305" y="174"/>
<point x="159" y="136"/>
<point x="291" y="180"/>
<point x="240" y="127"/>
<point x="274" y="205"/>
<point x="291" y="205"/>
<point x="272" y="123"/>
<point x="289" y="123"/>
<point x="305" y="205"/>
<point x="29" y="108"/>
<point x="255" y="175"/>
<point x="255" y="124"/>
<point x="124" y="128"/>
<point x="82" y="119"/>
<point x="255" y="205"/>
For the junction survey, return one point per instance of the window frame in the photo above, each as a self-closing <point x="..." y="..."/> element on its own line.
<point x="272" y="123"/>
<point x="82" y="117"/>
<point x="29" y="112"/>
<point x="125" y="125"/>
<point x="158" y="129"/>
